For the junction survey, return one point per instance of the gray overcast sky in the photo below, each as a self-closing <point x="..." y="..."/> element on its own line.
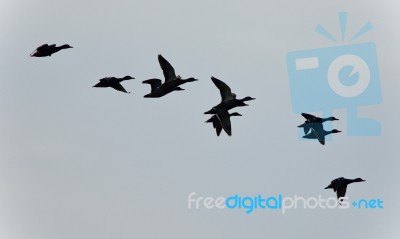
<point x="78" y="162"/>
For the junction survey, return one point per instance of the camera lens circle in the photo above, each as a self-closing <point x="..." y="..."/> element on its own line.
<point x="359" y="66"/>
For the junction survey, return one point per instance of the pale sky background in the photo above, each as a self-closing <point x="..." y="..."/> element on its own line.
<point x="78" y="162"/>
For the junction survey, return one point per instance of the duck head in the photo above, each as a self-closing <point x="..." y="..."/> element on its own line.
<point x="336" y="131"/>
<point x="235" y="114"/>
<point x="66" y="46"/>
<point x="333" y="118"/>
<point x="358" y="180"/>
<point x="128" y="78"/>
<point x="191" y="79"/>
<point x="247" y="98"/>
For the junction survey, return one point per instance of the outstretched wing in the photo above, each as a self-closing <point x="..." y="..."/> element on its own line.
<point x="341" y="191"/>
<point x="306" y="126"/>
<point x="154" y="83"/>
<point x="225" y="120"/>
<point x="336" y="183"/>
<point x="224" y="89"/>
<point x="42" y="47"/>
<point x="318" y="135"/>
<point x="168" y="70"/>
<point x="216" y="124"/>
<point x="40" y="51"/>
<point x="310" y="117"/>
<point x="119" y="87"/>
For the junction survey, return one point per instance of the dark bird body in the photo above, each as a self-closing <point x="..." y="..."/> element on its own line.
<point x="158" y="89"/>
<point x="48" y="50"/>
<point x="312" y="120"/>
<point x="339" y="185"/>
<point x="172" y="82"/>
<point x="222" y="122"/>
<point x="228" y="99"/>
<point x="318" y="132"/>
<point x="113" y="82"/>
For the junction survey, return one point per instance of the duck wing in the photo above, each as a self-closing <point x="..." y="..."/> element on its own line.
<point x="318" y="130"/>
<point x="119" y="87"/>
<point x="224" y="89"/>
<point x="336" y="183"/>
<point x="310" y="117"/>
<point x="40" y="51"/>
<point x="306" y="126"/>
<point x="225" y="120"/>
<point x="154" y="83"/>
<point x="318" y="135"/>
<point x="216" y="124"/>
<point x="168" y="70"/>
<point x="42" y="47"/>
<point x="218" y="128"/>
<point x="341" y="191"/>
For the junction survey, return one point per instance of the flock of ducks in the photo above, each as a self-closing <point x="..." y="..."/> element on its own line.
<point x="220" y="113"/>
<point x="220" y="119"/>
<point x="221" y="116"/>
<point x="314" y="129"/>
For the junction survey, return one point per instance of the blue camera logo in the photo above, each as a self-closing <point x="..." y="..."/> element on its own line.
<point x="345" y="76"/>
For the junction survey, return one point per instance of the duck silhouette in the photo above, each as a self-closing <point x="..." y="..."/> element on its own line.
<point x="171" y="83"/>
<point x="339" y="185"/>
<point x="225" y="124"/>
<point x="113" y="82"/>
<point x="311" y="119"/>
<point x="318" y="132"/>
<point x="228" y="99"/>
<point x="48" y="50"/>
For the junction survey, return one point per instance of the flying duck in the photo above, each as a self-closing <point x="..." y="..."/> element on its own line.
<point x="113" y="82"/>
<point x="228" y="99"/>
<point x="217" y="124"/>
<point x="172" y="81"/>
<point x="339" y="185"/>
<point x="318" y="132"/>
<point x="48" y="50"/>
<point x="310" y="119"/>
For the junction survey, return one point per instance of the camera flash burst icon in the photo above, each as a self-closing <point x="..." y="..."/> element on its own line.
<point x="344" y="76"/>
